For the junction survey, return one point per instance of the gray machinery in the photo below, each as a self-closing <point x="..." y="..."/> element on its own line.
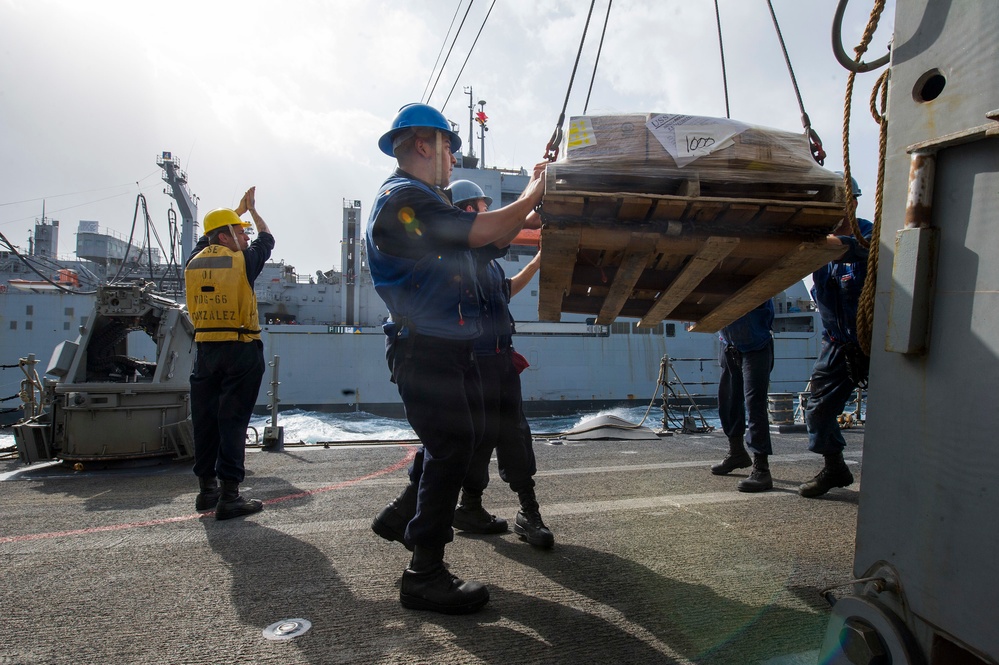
<point x="99" y="401"/>
<point x="927" y="589"/>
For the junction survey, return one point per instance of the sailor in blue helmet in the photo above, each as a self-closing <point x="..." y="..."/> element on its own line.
<point x="841" y="366"/>
<point x="419" y="252"/>
<point x="506" y="428"/>
<point x="746" y="356"/>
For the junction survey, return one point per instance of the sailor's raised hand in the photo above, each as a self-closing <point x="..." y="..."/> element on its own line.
<point x="249" y="199"/>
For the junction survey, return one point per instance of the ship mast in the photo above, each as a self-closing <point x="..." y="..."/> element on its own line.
<point x="186" y="202"/>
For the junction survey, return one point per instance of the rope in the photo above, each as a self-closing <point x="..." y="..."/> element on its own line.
<point x="449" y="50"/>
<point x="443" y="44"/>
<point x="814" y="141"/>
<point x="140" y="204"/>
<point x="851" y="199"/>
<point x="7" y="399"/>
<point x="721" y="49"/>
<point x="597" y="61"/>
<point x="865" y="309"/>
<point x="9" y="366"/>
<point x="860" y="49"/>
<point x="469" y="55"/>
<point x="86" y="191"/>
<point x="551" y="151"/>
<point x="659" y="382"/>
<point x="865" y="313"/>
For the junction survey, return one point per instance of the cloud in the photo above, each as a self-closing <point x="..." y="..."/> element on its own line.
<point x="292" y="97"/>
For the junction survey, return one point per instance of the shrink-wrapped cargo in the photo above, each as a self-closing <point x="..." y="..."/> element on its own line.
<point x="664" y="153"/>
<point x="663" y="216"/>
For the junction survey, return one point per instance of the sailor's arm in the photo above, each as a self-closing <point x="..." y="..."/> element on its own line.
<point x="259" y="222"/>
<point x="523" y="278"/>
<point x="497" y="225"/>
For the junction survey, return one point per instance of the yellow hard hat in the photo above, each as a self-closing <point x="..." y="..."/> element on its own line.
<point x="222" y="217"/>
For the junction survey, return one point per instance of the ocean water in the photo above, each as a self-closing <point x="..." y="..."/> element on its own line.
<point x="318" y="428"/>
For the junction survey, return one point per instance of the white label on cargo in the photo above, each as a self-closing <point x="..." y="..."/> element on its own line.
<point x="687" y="137"/>
<point x="698" y="140"/>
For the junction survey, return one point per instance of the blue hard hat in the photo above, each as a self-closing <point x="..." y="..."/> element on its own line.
<point x="464" y="191"/>
<point x="853" y="183"/>
<point x="417" y="115"/>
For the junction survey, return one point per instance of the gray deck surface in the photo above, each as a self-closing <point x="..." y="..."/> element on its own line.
<point x="656" y="561"/>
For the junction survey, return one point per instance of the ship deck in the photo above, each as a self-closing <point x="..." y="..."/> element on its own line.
<point x="656" y="561"/>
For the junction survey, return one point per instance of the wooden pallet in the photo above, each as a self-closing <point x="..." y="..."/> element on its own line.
<point x="629" y="177"/>
<point x="701" y="259"/>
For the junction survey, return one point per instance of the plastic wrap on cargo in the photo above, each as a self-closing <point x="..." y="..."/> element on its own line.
<point x="681" y="146"/>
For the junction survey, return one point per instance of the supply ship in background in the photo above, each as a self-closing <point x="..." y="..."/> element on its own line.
<point x="322" y="331"/>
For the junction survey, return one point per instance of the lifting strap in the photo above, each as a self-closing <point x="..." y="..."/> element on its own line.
<point x="551" y="151"/>
<point x="448" y="56"/>
<point x="596" y="62"/>
<point x="814" y="141"/>
<point x="721" y="51"/>
<point x="469" y="54"/>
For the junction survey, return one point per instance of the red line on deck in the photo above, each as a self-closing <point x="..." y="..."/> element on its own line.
<point x="410" y="454"/>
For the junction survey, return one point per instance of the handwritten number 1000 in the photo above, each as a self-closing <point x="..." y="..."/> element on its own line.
<point x="695" y="143"/>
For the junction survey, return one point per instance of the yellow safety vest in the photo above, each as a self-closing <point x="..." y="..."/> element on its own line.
<point x="220" y="300"/>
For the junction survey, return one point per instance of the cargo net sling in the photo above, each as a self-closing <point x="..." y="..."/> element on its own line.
<point x="697" y="219"/>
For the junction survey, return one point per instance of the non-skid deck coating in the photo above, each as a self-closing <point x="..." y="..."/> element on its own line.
<point x="656" y="561"/>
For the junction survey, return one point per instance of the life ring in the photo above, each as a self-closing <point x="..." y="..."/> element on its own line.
<point x="3" y="288"/>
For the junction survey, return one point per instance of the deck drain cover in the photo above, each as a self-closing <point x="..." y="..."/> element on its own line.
<point x="286" y="629"/>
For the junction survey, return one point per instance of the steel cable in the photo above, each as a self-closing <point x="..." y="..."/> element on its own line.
<point x="596" y="62"/>
<point x="448" y="56"/>
<point x="469" y="55"/>
<point x="551" y="152"/>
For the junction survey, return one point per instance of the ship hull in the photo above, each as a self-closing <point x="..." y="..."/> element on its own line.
<point x="575" y="366"/>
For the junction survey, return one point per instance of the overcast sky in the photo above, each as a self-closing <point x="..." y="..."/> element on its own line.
<point x="292" y="96"/>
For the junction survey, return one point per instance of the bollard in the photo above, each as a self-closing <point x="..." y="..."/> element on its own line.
<point x="781" y="408"/>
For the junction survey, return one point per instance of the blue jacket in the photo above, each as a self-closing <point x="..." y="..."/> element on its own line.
<point x="497" y="322"/>
<point x="752" y="331"/>
<point x="836" y="288"/>
<point x="435" y="294"/>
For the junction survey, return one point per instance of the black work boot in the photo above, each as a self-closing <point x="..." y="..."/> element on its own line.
<point x="391" y="522"/>
<point x="209" y="494"/>
<point x="233" y="504"/>
<point x="834" y="474"/>
<point x="529" y="525"/>
<point x="472" y="517"/>
<point x="759" y="480"/>
<point x="428" y="585"/>
<point x="737" y="458"/>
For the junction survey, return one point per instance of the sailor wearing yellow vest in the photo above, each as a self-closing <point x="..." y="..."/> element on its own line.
<point x="229" y="363"/>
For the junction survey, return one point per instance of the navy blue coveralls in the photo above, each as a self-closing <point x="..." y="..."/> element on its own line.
<point x="423" y="269"/>
<point x="746" y="356"/>
<point x="506" y="428"/>
<point x="836" y="289"/>
<point x="224" y="386"/>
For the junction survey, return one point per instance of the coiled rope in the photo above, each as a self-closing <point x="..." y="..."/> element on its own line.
<point x="865" y="309"/>
<point x="865" y="313"/>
